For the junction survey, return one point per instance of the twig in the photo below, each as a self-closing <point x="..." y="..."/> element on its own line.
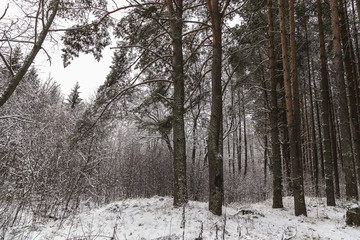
<point x="2" y="16"/>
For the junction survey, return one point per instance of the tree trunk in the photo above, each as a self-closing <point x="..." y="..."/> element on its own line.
<point x="239" y="136"/>
<point x="274" y="113"/>
<point x="266" y="117"/>
<point x="347" y="153"/>
<point x="358" y="8"/>
<point x="245" y="137"/>
<point x="315" y="159"/>
<point x="318" y="120"/>
<point x="294" y="122"/>
<point x="325" y="111"/>
<point x="176" y="23"/>
<point x="334" y="151"/>
<point x="285" y="147"/>
<point x="216" y="178"/>
<point x="352" y="82"/>
<point x="306" y="142"/>
<point x="193" y="183"/>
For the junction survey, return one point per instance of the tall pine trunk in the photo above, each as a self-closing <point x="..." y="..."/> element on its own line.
<point x="314" y="151"/>
<point x="294" y="122"/>
<point x="347" y="153"/>
<point x="325" y="111"/>
<point x="215" y="154"/>
<point x="318" y="120"/>
<point x="239" y="139"/>
<point x="333" y="137"/>
<point x="352" y="82"/>
<point x="274" y="113"/>
<point x="246" y="157"/>
<point x="176" y="22"/>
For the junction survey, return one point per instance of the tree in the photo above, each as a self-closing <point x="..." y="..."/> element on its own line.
<point x="351" y="80"/>
<point x="74" y="96"/>
<point x="175" y="11"/>
<point x="346" y="150"/>
<point x="294" y="123"/>
<point x="292" y="108"/>
<point x="215" y="155"/>
<point x="325" y="111"/>
<point x="43" y="9"/>
<point x="274" y="112"/>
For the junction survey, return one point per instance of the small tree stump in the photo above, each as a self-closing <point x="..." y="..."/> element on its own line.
<point x="353" y="216"/>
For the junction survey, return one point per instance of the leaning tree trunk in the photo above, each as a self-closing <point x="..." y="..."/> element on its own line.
<point x="216" y="175"/>
<point x="176" y="23"/>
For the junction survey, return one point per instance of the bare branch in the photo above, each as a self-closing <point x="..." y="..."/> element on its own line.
<point x="196" y="6"/>
<point x="196" y="30"/>
<point x="7" y="65"/>
<point x="148" y="65"/>
<point x="3" y="15"/>
<point x="198" y="83"/>
<point x="224" y="10"/>
<point x="127" y="7"/>
<point x="142" y="47"/>
<point x="230" y="75"/>
<point x="16" y="117"/>
<point x="197" y="48"/>
<point x="120" y="94"/>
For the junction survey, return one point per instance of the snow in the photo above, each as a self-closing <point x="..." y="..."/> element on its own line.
<point x="156" y="218"/>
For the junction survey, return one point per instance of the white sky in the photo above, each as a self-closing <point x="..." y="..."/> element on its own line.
<point x="85" y="69"/>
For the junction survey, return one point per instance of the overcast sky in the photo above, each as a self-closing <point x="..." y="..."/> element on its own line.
<point x="86" y="70"/>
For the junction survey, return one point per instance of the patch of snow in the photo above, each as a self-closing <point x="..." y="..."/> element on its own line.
<point x="155" y="218"/>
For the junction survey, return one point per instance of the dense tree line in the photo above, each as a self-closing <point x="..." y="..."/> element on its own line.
<point x="235" y="93"/>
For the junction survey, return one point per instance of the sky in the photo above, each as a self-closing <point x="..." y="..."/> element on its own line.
<point x="85" y="69"/>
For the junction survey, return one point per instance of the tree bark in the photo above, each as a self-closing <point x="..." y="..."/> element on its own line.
<point x="176" y="23"/>
<point x="215" y="155"/>
<point x="239" y="149"/>
<point x="318" y="120"/>
<point x="347" y="153"/>
<point x="246" y="157"/>
<point x="294" y="122"/>
<point x="314" y="147"/>
<point x="292" y="108"/>
<point x="325" y="111"/>
<point x="352" y="82"/>
<point x="333" y="138"/>
<point x="274" y="113"/>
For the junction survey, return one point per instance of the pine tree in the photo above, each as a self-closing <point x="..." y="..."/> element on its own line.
<point x="74" y="96"/>
<point x="275" y="143"/>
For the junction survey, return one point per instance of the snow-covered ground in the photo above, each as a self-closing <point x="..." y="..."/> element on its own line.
<point x="155" y="218"/>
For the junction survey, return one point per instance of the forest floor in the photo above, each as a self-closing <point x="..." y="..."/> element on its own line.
<point x="155" y="218"/>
